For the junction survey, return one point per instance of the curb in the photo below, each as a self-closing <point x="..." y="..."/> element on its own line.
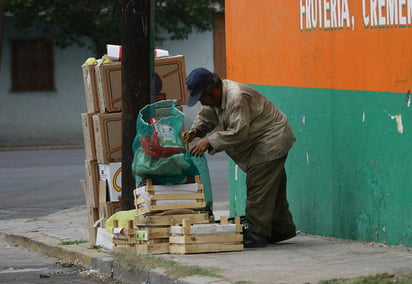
<point x="141" y="276"/>
<point x="103" y="262"/>
<point x="158" y="276"/>
<point x="73" y="253"/>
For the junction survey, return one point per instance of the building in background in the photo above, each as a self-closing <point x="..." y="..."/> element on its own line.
<point x="42" y="91"/>
<point x="341" y="72"/>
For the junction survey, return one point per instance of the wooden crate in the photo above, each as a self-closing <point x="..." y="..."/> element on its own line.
<point x="152" y="239"/>
<point x="196" y="217"/>
<point x="204" y="238"/>
<point x="143" y="239"/>
<point x="152" y="231"/>
<point x="123" y="238"/>
<point x="153" y="198"/>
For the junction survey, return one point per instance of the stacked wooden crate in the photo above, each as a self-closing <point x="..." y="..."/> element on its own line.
<point x="160" y="206"/>
<point x="153" y="231"/>
<point x="169" y="219"/>
<point x="202" y="238"/>
<point x="162" y="210"/>
<point x="123" y="237"/>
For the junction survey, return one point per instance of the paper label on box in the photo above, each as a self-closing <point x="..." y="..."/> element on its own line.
<point x="112" y="173"/>
<point x="141" y="236"/>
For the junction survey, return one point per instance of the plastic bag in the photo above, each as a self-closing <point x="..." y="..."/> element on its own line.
<point x="159" y="152"/>
<point x="122" y="216"/>
<point x="202" y="166"/>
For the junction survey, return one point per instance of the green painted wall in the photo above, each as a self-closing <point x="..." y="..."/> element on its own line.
<point x="350" y="171"/>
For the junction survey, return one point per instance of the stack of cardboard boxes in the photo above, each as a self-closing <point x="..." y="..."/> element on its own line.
<point x="102" y="130"/>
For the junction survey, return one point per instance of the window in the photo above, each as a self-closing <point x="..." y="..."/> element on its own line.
<point x="32" y="65"/>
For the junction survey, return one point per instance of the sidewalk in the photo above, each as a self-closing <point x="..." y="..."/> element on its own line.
<point x="304" y="259"/>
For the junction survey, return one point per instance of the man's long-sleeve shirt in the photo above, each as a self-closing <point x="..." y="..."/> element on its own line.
<point x="252" y="129"/>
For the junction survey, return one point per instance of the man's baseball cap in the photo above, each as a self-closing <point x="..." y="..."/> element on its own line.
<point x="196" y="83"/>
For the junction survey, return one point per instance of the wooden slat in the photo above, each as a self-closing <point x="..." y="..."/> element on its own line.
<point x="154" y="241"/>
<point x="163" y="207"/>
<point x="172" y="197"/>
<point x="148" y="233"/>
<point x="158" y="248"/>
<point x="177" y="196"/>
<point x="203" y="248"/>
<point x="212" y="238"/>
<point x="117" y="241"/>
<point x="167" y="220"/>
<point x="203" y="229"/>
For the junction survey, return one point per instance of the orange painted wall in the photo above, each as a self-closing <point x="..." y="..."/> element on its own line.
<point x="266" y="44"/>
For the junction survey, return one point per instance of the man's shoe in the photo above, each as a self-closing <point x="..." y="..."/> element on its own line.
<point x="251" y="240"/>
<point x="276" y="237"/>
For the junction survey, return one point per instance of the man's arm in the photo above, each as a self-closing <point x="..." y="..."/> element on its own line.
<point x="205" y="121"/>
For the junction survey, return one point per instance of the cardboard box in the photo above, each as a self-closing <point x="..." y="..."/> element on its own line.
<point x="108" y="137"/>
<point x="88" y="136"/>
<point x="112" y="207"/>
<point x="90" y="88"/>
<point x="109" y="86"/>
<point x="170" y="76"/>
<point x="115" y="52"/>
<point x="91" y="191"/>
<point x="93" y="224"/>
<point x="106" y="208"/>
<point x="112" y="173"/>
<point x="93" y="214"/>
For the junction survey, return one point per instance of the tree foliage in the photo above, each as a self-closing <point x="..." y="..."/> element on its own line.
<point x="79" y="21"/>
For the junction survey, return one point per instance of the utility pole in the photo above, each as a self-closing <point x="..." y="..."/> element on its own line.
<point x="137" y="68"/>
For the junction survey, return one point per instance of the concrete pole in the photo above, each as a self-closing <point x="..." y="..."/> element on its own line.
<point x="137" y="66"/>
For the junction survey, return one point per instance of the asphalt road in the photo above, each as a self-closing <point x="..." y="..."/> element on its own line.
<point x="39" y="182"/>
<point x="18" y="265"/>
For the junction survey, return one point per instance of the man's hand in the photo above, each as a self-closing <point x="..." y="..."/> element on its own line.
<point x="200" y="147"/>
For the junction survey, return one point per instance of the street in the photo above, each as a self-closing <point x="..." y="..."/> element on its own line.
<point x="18" y="265"/>
<point x="40" y="182"/>
<point x="37" y="183"/>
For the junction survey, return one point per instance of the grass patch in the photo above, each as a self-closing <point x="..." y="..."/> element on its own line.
<point x="68" y="243"/>
<point x="383" y="278"/>
<point x="131" y="261"/>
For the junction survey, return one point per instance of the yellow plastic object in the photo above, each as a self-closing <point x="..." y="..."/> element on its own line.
<point x="90" y="61"/>
<point x="122" y="216"/>
<point x="106" y="59"/>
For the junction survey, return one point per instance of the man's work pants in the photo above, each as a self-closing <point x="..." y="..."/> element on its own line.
<point x="267" y="208"/>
